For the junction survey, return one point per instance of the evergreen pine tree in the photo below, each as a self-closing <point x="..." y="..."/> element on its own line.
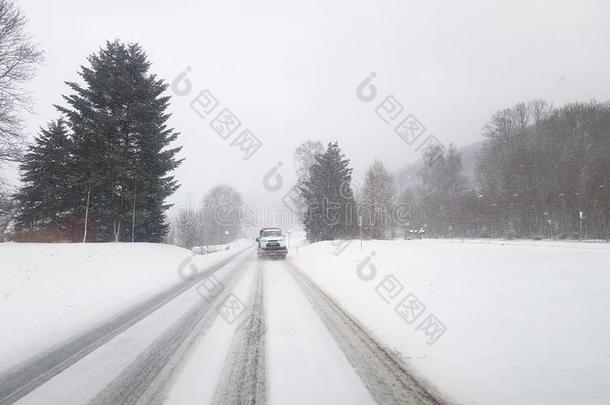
<point x="119" y="123"/>
<point x="44" y="201"/>
<point x="330" y="206"/>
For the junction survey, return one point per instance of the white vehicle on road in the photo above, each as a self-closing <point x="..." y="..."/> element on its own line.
<point x="271" y="243"/>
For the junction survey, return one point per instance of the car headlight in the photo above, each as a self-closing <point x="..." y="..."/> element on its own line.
<point x="264" y="241"/>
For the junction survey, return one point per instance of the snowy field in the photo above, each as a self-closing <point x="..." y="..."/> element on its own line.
<point x="48" y="292"/>
<point x="526" y="322"/>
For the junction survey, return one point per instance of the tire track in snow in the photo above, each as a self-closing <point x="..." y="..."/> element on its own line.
<point x="23" y="378"/>
<point x="383" y="373"/>
<point x="243" y="379"/>
<point x="145" y="381"/>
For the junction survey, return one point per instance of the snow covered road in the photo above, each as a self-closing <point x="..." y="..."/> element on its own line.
<point x="525" y="322"/>
<point x="383" y="372"/>
<point x="243" y="331"/>
<point x="27" y="376"/>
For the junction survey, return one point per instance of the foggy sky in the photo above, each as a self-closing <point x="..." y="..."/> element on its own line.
<point x="289" y="70"/>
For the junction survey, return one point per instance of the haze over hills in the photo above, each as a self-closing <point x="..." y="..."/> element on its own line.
<point x="408" y="176"/>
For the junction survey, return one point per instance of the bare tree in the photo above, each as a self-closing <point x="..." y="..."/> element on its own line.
<point x="185" y="228"/>
<point x="7" y="210"/>
<point x="221" y="215"/>
<point x="19" y="57"/>
<point x="377" y="201"/>
<point x="304" y="157"/>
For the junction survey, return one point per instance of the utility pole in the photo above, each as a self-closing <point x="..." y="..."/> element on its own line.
<point x="87" y="213"/>
<point x="360" y="224"/>
<point x="133" y="212"/>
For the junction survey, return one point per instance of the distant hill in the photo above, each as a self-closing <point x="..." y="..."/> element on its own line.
<point x="407" y="176"/>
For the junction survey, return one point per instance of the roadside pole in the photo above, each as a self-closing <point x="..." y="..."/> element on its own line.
<point x="360" y="224"/>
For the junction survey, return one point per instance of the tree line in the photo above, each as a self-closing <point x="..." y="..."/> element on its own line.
<point x="102" y="170"/>
<point x="541" y="172"/>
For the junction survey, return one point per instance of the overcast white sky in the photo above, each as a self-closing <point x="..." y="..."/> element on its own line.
<point x="289" y="70"/>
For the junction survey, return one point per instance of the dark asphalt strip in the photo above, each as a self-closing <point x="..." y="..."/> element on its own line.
<point x="23" y="378"/>
<point x="384" y="374"/>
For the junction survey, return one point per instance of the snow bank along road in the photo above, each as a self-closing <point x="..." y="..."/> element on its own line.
<point x="243" y="331"/>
